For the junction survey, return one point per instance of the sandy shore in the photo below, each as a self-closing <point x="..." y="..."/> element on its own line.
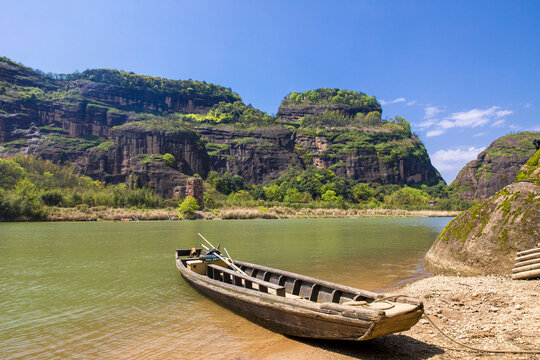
<point x="490" y="312"/>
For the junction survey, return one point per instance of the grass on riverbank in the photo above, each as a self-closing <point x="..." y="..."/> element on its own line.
<point x="278" y="212"/>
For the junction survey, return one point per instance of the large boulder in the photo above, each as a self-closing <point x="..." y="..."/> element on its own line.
<point x="485" y="238"/>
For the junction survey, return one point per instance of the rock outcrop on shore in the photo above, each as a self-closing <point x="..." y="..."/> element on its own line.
<point x="485" y="238"/>
<point x="495" y="167"/>
<point x="111" y="124"/>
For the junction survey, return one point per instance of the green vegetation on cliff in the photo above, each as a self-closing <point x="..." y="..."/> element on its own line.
<point x="132" y="81"/>
<point x="531" y="170"/>
<point x="325" y="96"/>
<point x="236" y="113"/>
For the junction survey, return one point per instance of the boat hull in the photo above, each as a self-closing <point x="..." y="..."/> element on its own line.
<point x="292" y="318"/>
<point x="276" y="317"/>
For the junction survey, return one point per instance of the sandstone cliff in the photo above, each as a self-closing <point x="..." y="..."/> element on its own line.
<point x="295" y="112"/>
<point x="485" y="238"/>
<point x="495" y="167"/>
<point x="115" y="126"/>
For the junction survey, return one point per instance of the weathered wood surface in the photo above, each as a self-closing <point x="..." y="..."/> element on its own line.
<point x="298" y="313"/>
<point x="532" y="274"/>
<point x="527" y="264"/>
<point x="519" y="269"/>
<point x="248" y="280"/>
<point x="528" y="257"/>
<point x="528" y="252"/>
<point x="364" y="293"/>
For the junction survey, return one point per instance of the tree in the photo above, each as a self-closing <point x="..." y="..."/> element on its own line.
<point x="330" y="196"/>
<point x="187" y="208"/>
<point x="10" y="173"/>
<point x="273" y="193"/>
<point x="293" y="195"/>
<point x="362" y="192"/>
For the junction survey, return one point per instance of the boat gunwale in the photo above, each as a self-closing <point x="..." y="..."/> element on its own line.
<point x="290" y="306"/>
<point x="374" y="322"/>
<point x="319" y="307"/>
<point x="328" y="284"/>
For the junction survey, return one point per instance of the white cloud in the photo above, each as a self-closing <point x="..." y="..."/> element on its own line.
<point x="447" y="160"/>
<point x="431" y="111"/>
<point x="463" y="119"/>
<point x="473" y="118"/>
<point x="479" y="134"/>
<point x="395" y="101"/>
<point x="412" y="102"/>
<point x="427" y="124"/>
<point x="435" y="132"/>
<point x="502" y="113"/>
<point x="498" y="123"/>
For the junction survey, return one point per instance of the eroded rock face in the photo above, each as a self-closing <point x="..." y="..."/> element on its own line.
<point x="495" y="167"/>
<point x="294" y="113"/>
<point x="259" y="156"/>
<point x="142" y="100"/>
<point x="367" y="164"/>
<point x="75" y="119"/>
<point x="133" y="151"/>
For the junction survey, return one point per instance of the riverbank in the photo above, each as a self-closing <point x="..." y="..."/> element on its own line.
<point x="103" y="213"/>
<point x="490" y="312"/>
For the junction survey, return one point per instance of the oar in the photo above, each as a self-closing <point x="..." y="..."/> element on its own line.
<point x="226" y="252"/>
<point x="230" y="263"/>
<point x="236" y="268"/>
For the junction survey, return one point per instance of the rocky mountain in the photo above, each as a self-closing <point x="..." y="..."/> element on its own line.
<point x="485" y="238"/>
<point x="116" y="126"/>
<point x="495" y="167"/>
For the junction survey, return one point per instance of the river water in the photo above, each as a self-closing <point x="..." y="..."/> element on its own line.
<point x="111" y="289"/>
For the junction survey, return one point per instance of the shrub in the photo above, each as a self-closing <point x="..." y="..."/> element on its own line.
<point x="52" y="198"/>
<point x="362" y="192"/>
<point x="241" y="195"/>
<point x="169" y="160"/>
<point x="330" y="196"/>
<point x="187" y="208"/>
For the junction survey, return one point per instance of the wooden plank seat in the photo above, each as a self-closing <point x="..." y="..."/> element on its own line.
<point x="232" y="277"/>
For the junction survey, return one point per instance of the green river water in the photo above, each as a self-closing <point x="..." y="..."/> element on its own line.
<point x="111" y="290"/>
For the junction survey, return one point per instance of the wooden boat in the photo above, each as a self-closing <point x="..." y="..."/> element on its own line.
<point x="294" y="304"/>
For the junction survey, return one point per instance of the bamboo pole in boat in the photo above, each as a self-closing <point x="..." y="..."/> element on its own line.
<point x="236" y="268"/>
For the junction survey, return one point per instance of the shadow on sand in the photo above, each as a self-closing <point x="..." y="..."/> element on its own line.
<point x="386" y="347"/>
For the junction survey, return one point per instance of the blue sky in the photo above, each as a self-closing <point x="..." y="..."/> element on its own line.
<point x="462" y="72"/>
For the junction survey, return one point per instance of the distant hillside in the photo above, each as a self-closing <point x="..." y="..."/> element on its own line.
<point x="115" y="126"/>
<point x="495" y="167"/>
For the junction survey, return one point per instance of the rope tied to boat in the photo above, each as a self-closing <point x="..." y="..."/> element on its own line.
<point x="496" y="351"/>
